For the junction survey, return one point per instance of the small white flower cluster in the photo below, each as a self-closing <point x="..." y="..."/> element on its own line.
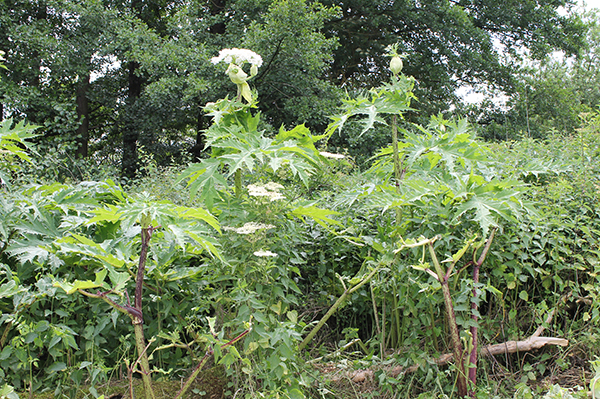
<point x="263" y="254"/>
<point x="269" y="190"/>
<point x="237" y="56"/>
<point x="249" y="228"/>
<point x="330" y="155"/>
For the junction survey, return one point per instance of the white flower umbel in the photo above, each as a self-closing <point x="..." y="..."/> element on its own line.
<point x="269" y="190"/>
<point x="249" y="228"/>
<point x="263" y="254"/>
<point x="236" y="58"/>
<point x="330" y="155"/>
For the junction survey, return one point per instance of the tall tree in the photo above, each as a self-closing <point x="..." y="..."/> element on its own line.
<point x="550" y="95"/>
<point x="52" y="87"/>
<point x="448" y="43"/>
<point x="297" y="57"/>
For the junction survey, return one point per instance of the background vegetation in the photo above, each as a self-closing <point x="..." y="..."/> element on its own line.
<point x="335" y="235"/>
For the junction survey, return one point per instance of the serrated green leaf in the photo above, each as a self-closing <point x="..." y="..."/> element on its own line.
<point x="200" y="214"/>
<point x="204" y="179"/>
<point x="9" y="289"/>
<point x="70" y="288"/>
<point x="321" y="216"/>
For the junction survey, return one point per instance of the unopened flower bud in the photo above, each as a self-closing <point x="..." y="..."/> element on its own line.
<point x="236" y="74"/>
<point x="253" y="70"/>
<point x="396" y="65"/>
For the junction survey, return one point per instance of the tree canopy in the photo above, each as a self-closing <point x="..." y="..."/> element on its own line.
<point x="449" y="43"/>
<point x="110" y="76"/>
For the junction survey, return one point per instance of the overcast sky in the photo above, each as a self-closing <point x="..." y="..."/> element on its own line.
<point x="590" y="3"/>
<point x="470" y="95"/>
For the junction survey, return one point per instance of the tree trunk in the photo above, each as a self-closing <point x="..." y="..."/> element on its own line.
<point x="216" y="7"/>
<point x="83" y="116"/>
<point x="131" y="132"/>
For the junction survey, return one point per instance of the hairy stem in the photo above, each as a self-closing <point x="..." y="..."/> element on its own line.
<point x="238" y="183"/>
<point x="457" y="348"/>
<point x="397" y="166"/>
<point x="472" y="374"/>
<point x="209" y="352"/>
<point x="138" y="323"/>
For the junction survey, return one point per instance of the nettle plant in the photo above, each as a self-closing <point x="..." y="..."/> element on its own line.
<point x="446" y="197"/>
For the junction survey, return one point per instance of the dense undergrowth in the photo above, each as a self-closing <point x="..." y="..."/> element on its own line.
<point x="238" y="257"/>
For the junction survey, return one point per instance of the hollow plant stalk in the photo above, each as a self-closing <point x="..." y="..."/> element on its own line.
<point x="472" y="374"/>
<point x="138" y="323"/>
<point x="457" y="348"/>
<point x="397" y="165"/>
<point x="347" y="291"/>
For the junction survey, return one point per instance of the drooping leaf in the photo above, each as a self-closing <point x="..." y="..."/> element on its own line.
<point x="10" y="288"/>
<point x="76" y="285"/>
<point x="321" y="216"/>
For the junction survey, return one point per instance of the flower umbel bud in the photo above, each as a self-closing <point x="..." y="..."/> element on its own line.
<point x="236" y="74"/>
<point x="396" y="65"/>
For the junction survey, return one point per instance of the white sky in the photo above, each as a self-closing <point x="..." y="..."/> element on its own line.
<point x="473" y="96"/>
<point x="590" y="3"/>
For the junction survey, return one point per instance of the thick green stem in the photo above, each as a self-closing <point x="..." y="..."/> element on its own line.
<point x="457" y="348"/>
<point x="322" y="322"/>
<point x="396" y="154"/>
<point x="473" y="355"/>
<point x="383" y="328"/>
<point x="396" y="314"/>
<point x="376" y="315"/>
<point x="209" y="352"/>
<point x="347" y="292"/>
<point x="144" y="364"/>
<point x="336" y="305"/>
<point x="138" y="321"/>
<point x="238" y="183"/>
<point x="397" y="166"/>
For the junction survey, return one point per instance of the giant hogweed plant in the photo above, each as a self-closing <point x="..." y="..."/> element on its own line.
<point x="440" y="183"/>
<point x="114" y="260"/>
<point x="237" y="144"/>
<point x="95" y="241"/>
<point x="240" y="183"/>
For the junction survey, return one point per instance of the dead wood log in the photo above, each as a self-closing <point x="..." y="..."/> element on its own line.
<point x="533" y="342"/>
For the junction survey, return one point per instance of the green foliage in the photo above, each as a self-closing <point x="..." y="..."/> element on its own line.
<point x="272" y="233"/>
<point x="14" y="144"/>
<point x="447" y="43"/>
<point x="549" y="96"/>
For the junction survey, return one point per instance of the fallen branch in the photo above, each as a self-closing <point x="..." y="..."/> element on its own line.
<point x="533" y="342"/>
<point x="506" y="347"/>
